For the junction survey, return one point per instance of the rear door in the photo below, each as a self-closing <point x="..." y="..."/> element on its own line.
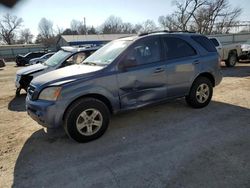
<point x="182" y="65"/>
<point x="143" y="78"/>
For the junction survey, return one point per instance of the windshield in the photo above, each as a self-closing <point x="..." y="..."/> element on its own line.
<point x="107" y="53"/>
<point x="57" y="58"/>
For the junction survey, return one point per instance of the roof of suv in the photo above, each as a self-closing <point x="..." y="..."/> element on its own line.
<point x="164" y="32"/>
<point x="76" y="49"/>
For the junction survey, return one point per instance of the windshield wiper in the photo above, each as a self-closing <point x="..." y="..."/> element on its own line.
<point x="90" y="63"/>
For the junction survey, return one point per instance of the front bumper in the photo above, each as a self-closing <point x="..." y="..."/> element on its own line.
<point x="46" y="113"/>
<point x="244" y="55"/>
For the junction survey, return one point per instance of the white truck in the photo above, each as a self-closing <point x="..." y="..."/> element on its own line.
<point x="229" y="53"/>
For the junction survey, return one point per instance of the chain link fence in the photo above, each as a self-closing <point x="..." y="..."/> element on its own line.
<point x="9" y="52"/>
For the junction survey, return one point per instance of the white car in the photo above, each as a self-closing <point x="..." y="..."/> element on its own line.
<point x="245" y="50"/>
<point x="41" y="59"/>
<point x="65" y="57"/>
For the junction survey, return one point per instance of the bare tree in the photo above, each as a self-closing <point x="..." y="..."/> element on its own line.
<point x="46" y="28"/>
<point x="91" y="30"/>
<point x="113" y="25"/>
<point x="168" y="22"/>
<point x="127" y="28"/>
<point x="148" y="26"/>
<point x="78" y="26"/>
<point x="185" y="11"/>
<point x="26" y="36"/>
<point x="216" y="17"/>
<point x="203" y="16"/>
<point x="8" y="27"/>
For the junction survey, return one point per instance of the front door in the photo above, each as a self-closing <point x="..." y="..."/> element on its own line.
<point x="143" y="78"/>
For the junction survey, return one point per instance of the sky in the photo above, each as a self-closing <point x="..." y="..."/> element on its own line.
<point x="61" y="12"/>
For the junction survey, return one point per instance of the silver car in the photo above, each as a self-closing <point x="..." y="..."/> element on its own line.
<point x="41" y="59"/>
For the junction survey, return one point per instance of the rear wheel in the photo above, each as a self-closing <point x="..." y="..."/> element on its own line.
<point x="232" y="60"/>
<point x="200" y="93"/>
<point x="86" y="119"/>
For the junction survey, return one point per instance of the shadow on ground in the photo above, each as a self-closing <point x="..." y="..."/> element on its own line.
<point x="169" y="145"/>
<point x="237" y="71"/>
<point x="17" y="103"/>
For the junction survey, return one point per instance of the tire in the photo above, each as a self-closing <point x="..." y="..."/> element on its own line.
<point x="200" y="93"/>
<point x="232" y="60"/>
<point x="80" y="117"/>
<point x="18" y="90"/>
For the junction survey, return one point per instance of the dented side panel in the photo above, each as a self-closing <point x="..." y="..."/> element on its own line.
<point x="142" y="84"/>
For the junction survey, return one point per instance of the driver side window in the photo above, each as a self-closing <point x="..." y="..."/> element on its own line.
<point x="144" y="52"/>
<point x="75" y="59"/>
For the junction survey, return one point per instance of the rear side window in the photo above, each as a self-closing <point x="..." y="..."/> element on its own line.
<point x="177" y="48"/>
<point x="205" y="43"/>
<point x="215" y="42"/>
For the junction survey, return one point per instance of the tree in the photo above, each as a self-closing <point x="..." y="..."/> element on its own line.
<point x="91" y="30"/>
<point x="26" y="36"/>
<point x="147" y="26"/>
<point x="113" y="25"/>
<point x="46" y="28"/>
<point x="78" y="27"/>
<point x="203" y="16"/>
<point x="8" y="28"/>
<point x="68" y="31"/>
<point x="168" y="23"/>
<point x="217" y="16"/>
<point x="127" y="28"/>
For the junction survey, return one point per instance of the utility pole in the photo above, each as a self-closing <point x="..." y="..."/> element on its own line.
<point x="85" y="27"/>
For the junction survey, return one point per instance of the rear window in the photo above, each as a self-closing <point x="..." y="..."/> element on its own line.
<point x="177" y="48"/>
<point x="205" y="43"/>
<point x="215" y="42"/>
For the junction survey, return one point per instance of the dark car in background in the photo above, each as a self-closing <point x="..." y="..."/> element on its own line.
<point x="22" y="60"/>
<point x="2" y="62"/>
<point x="64" y="57"/>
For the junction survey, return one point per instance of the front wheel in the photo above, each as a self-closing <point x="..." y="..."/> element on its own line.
<point x="200" y="93"/>
<point x="86" y="119"/>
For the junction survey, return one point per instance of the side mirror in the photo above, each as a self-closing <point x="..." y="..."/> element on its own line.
<point x="128" y="63"/>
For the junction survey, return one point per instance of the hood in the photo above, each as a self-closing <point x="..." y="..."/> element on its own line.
<point x="31" y="69"/>
<point x="64" y="74"/>
<point x="245" y="47"/>
<point x="35" y="59"/>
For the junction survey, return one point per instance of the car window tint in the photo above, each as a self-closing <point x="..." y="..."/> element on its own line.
<point x="205" y="43"/>
<point x="145" y="52"/>
<point x="177" y="48"/>
<point x="215" y="42"/>
<point x="76" y="59"/>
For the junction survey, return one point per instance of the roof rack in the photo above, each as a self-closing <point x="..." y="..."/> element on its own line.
<point x="165" y="31"/>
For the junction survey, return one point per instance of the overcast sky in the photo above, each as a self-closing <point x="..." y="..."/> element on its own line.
<point x="61" y="12"/>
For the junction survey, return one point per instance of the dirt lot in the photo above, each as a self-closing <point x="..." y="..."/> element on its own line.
<point x="169" y="145"/>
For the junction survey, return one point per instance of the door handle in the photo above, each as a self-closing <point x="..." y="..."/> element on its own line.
<point x="158" y="70"/>
<point x="196" y="62"/>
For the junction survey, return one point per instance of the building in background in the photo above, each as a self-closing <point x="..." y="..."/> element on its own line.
<point x="82" y="40"/>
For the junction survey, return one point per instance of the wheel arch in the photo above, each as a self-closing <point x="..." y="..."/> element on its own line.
<point x="100" y="97"/>
<point x="207" y="75"/>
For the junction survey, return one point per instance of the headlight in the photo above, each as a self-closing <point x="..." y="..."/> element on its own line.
<point x="50" y="93"/>
<point x="18" y="77"/>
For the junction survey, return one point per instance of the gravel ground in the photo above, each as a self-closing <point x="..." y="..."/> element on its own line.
<point x="169" y="145"/>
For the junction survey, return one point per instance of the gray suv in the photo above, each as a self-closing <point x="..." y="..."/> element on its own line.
<point x="125" y="74"/>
